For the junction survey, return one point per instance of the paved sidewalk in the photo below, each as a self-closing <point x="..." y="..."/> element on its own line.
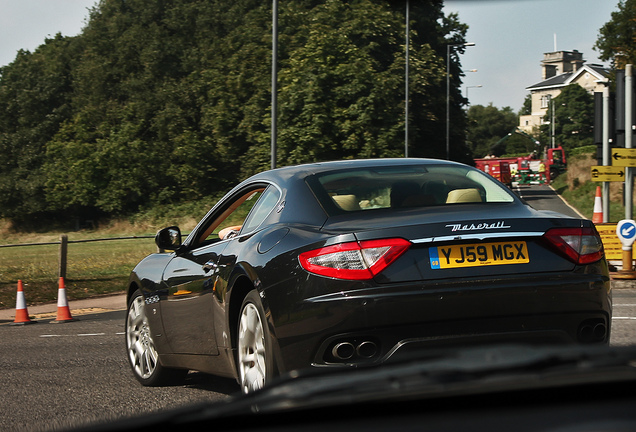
<point x="77" y="307"/>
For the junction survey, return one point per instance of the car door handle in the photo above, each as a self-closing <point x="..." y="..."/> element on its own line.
<point x="210" y="266"/>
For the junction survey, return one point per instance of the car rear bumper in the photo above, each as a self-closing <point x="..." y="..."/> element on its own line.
<point x="384" y="345"/>
<point x="375" y="324"/>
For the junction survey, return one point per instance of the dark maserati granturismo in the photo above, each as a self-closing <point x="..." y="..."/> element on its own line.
<point x="354" y="263"/>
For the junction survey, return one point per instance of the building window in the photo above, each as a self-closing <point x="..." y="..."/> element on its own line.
<point x="545" y="101"/>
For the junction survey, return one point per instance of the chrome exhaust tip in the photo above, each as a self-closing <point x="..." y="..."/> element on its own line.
<point x="343" y="350"/>
<point x="599" y="332"/>
<point x="367" y="349"/>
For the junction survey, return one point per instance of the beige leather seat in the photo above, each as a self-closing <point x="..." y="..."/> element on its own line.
<point x="463" y="196"/>
<point x="347" y="202"/>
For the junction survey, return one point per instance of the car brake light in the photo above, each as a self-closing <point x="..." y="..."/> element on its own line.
<point x="580" y="245"/>
<point x="354" y="260"/>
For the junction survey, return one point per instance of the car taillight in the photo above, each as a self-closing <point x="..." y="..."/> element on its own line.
<point x="581" y="245"/>
<point x="354" y="260"/>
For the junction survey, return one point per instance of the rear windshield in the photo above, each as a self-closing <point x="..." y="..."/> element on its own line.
<point x="409" y="186"/>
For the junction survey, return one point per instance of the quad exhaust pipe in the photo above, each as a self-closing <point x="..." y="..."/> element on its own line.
<point x="347" y="350"/>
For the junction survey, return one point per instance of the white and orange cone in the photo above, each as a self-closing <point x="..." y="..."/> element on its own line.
<point x="21" y="312"/>
<point x="597" y="217"/>
<point x="63" y="311"/>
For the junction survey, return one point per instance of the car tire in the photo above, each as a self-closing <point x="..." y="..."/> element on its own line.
<point x="254" y="348"/>
<point x="140" y="348"/>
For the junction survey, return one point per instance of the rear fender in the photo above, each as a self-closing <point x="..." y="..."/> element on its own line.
<point x="243" y="280"/>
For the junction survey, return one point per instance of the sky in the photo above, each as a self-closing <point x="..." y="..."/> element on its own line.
<point x="510" y="37"/>
<point x="25" y="24"/>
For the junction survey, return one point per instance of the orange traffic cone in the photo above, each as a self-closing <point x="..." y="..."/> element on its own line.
<point x="63" y="311"/>
<point x="597" y="217"/>
<point x="21" y="312"/>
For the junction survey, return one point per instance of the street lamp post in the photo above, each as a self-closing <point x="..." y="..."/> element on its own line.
<point x="469" y="87"/>
<point x="448" y="49"/>
<point x="274" y="101"/>
<point x="406" y="80"/>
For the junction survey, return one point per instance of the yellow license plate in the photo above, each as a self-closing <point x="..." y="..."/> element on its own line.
<point x="479" y="254"/>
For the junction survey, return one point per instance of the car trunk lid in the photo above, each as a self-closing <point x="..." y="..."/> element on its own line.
<point x="467" y="242"/>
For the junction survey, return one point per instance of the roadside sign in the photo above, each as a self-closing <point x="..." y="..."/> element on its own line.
<point x="608" y="173"/>
<point x="611" y="243"/>
<point x="626" y="232"/>
<point x="624" y="157"/>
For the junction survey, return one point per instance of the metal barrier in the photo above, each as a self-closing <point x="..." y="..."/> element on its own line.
<point x="64" y="241"/>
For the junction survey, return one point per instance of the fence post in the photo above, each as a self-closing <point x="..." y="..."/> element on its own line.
<point x="63" y="254"/>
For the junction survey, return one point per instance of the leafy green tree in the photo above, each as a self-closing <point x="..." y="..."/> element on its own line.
<point x="617" y="38"/>
<point x="342" y="87"/>
<point x="526" y="109"/>
<point x="435" y="30"/>
<point x="161" y="94"/>
<point x="487" y="125"/>
<point x="34" y="100"/>
<point x="573" y="118"/>
<point x="340" y="93"/>
<point x="164" y="102"/>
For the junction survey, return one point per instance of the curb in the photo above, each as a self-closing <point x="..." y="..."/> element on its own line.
<point x="623" y="283"/>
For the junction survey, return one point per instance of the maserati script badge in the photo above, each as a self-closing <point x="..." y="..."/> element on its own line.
<point x="478" y="226"/>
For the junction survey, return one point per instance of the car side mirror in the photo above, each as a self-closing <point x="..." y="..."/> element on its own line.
<point x="168" y="238"/>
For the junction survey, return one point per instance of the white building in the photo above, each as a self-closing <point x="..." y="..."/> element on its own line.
<point x="560" y="69"/>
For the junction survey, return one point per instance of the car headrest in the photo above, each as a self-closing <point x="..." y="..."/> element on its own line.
<point x="463" y="196"/>
<point x="347" y="202"/>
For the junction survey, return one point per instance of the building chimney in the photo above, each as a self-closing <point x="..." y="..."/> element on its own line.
<point x="556" y="63"/>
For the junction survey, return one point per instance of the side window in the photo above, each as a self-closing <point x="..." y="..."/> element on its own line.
<point x="262" y="209"/>
<point x="229" y="220"/>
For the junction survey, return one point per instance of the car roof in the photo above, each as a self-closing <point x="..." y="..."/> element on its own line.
<point x="305" y="170"/>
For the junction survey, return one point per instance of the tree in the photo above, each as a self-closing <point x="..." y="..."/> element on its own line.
<point x="164" y="102"/>
<point x="617" y="38"/>
<point x="341" y="92"/>
<point x="342" y="83"/>
<point x="526" y="109"/>
<point x="573" y="118"/>
<point x="163" y="93"/>
<point x="34" y="100"/>
<point x="487" y="125"/>
<point x="429" y="135"/>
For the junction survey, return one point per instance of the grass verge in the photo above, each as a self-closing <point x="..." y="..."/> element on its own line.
<point x="93" y="269"/>
<point x="578" y="189"/>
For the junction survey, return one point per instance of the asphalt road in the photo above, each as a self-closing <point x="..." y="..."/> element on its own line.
<point x="543" y="197"/>
<point x="58" y="376"/>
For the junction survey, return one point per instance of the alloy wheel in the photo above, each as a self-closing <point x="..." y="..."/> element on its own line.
<point x="141" y="348"/>
<point x="251" y="349"/>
